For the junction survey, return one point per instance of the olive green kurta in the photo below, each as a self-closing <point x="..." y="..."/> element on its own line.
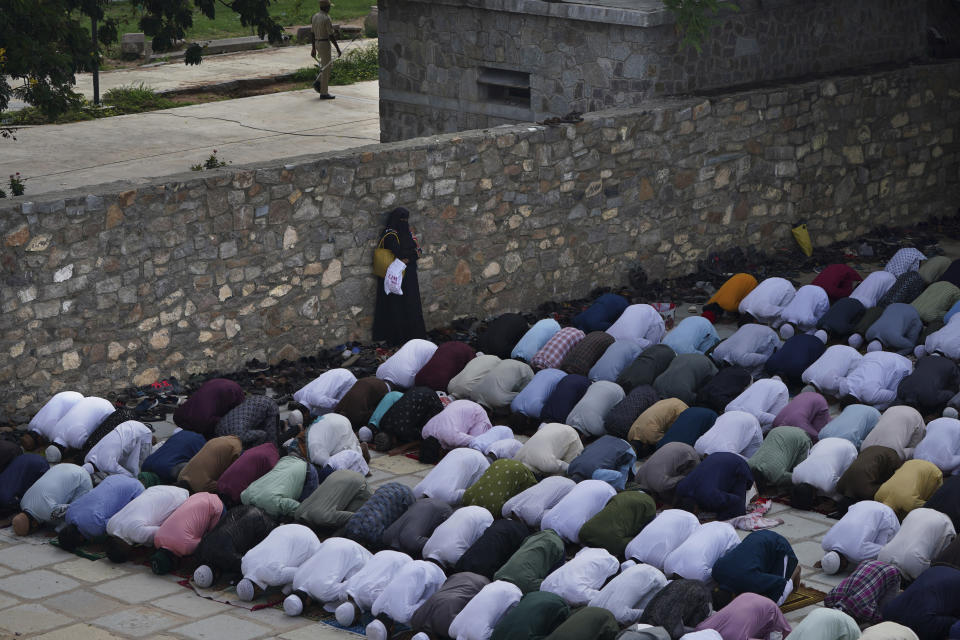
<point x="782" y="450"/>
<point x="277" y="491"/>
<point x="501" y="481"/>
<point x="539" y="554"/>
<point x="589" y="623"/>
<point x="618" y="522"/>
<point x="334" y="501"/>
<point x="536" y="615"/>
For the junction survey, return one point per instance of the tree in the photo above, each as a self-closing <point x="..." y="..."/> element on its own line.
<point x="48" y="42"/>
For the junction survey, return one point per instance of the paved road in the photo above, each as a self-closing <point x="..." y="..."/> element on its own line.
<point x="150" y="145"/>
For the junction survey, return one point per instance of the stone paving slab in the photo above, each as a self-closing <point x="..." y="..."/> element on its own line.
<point x="38" y="583"/>
<point x="139" y="588"/>
<point x="223" y="626"/>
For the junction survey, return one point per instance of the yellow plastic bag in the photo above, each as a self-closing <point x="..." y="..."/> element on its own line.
<point x="802" y="236"/>
<point x="382" y="257"/>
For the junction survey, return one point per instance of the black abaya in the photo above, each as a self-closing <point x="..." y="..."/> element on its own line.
<point x="398" y="319"/>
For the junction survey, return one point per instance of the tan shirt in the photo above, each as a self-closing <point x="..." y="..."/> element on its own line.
<point x="650" y="425"/>
<point x="322" y="26"/>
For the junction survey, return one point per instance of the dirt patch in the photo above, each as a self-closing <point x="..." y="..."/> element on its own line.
<point x="200" y="97"/>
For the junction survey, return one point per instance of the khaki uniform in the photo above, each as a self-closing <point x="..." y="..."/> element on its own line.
<point x="322" y="32"/>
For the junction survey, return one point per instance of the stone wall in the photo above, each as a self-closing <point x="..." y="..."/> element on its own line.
<point x="587" y="58"/>
<point x="201" y="272"/>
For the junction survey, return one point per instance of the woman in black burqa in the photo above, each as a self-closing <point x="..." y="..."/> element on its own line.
<point x="400" y="318"/>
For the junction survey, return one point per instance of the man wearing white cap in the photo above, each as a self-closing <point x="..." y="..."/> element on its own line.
<point x="274" y="562"/>
<point x="408" y="590"/>
<point x="324" y="575"/>
<point x="859" y="535"/>
<point x="122" y="451"/>
<point x="452" y="476"/>
<point x="455" y="535"/>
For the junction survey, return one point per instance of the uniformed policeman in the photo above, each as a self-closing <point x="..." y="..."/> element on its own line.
<point x="323" y="35"/>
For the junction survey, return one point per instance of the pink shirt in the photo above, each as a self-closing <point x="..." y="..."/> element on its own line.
<point x="181" y="532"/>
<point x="458" y="424"/>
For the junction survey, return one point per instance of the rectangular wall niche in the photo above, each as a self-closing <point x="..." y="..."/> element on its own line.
<point x="503" y="86"/>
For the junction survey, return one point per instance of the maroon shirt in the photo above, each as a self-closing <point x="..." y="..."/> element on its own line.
<point x="838" y="280"/>
<point x="203" y="410"/>
<point x="447" y="361"/>
<point x="251" y="464"/>
<point x="808" y="411"/>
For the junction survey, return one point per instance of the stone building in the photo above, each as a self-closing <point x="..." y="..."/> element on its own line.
<point x="452" y="65"/>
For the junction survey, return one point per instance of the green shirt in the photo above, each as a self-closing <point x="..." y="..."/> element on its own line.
<point x="334" y="501"/>
<point x="278" y="490"/>
<point x="501" y="481"/>
<point x="618" y="522"/>
<point x="782" y="450"/>
<point x="533" y="561"/>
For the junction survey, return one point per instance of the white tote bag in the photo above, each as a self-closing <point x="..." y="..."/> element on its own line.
<point x="394" y="279"/>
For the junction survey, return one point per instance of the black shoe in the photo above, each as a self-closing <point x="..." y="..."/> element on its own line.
<point x="327" y="96"/>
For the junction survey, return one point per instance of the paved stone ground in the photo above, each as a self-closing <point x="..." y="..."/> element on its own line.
<point x="51" y="594"/>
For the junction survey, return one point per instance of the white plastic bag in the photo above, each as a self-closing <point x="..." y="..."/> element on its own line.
<point x="394" y="279"/>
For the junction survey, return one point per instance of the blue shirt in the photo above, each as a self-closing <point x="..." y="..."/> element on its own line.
<point x="531" y="399"/>
<point x="689" y="425"/>
<point x="614" y="360"/>
<point x="695" y="334"/>
<point x="58" y="487"/>
<point x="601" y="314"/>
<point x="534" y="339"/>
<point x="853" y="424"/>
<point x="178" y="449"/>
<point x="19" y="476"/>
<point x="387" y="402"/>
<point x="793" y="358"/>
<point x="91" y="511"/>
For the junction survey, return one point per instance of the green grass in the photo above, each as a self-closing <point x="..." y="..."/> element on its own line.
<point x="226" y="24"/>
<point x="118" y="101"/>
<point x="357" y="65"/>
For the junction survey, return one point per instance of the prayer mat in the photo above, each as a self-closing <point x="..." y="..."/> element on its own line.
<point x="824" y="506"/>
<point x="91" y="550"/>
<point x="398" y="465"/>
<point x="802" y="597"/>
<point x="227" y="594"/>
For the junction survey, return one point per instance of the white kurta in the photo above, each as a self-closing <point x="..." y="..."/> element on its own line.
<point x="330" y="434"/>
<point x="55" y="408"/>
<point x="900" y="428"/>
<point x="750" y="347"/>
<point x="481" y="614"/>
<point x="806" y="308"/>
<point x="323" y="576"/>
<point x="863" y="530"/>
<point x="141" y="517"/>
<point x="628" y="594"/>
<point x="941" y="445"/>
<point x="579" y="505"/>
<point x="551" y="449"/>
<point x="661" y="537"/>
<point x="924" y="534"/>
<point x="639" y="323"/>
<point x="873" y="287"/>
<point x="274" y="562"/>
<point x="734" y="431"/>
<point x="694" y="559"/>
<point x="502" y="449"/>
<point x="123" y="450"/>
<point x="825" y="463"/>
<point x="875" y="379"/>
<point x="529" y="505"/>
<point x="455" y="534"/>
<point x="767" y="300"/>
<point x="831" y="367"/>
<point x="458" y="424"/>
<point x="350" y="460"/>
<point x="401" y="368"/>
<point x="452" y="476"/>
<point x="73" y="429"/>
<point x="946" y="340"/>
<point x="369" y="582"/>
<point x="483" y="441"/>
<point x="763" y="399"/>
<point x="580" y="579"/>
<point x="325" y="391"/>
<point x="411" y="586"/>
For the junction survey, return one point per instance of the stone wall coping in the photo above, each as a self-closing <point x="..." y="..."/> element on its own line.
<point x="631" y="13"/>
<point x="27" y="204"/>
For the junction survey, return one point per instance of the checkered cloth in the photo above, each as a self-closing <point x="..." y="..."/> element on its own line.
<point x="551" y="354"/>
<point x="109" y="423"/>
<point x="368" y="523"/>
<point x="581" y="358"/>
<point x="255" y="421"/>
<point x="862" y="592"/>
<point x="904" y="260"/>
<point x="905" y="289"/>
<point x="619" y="419"/>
